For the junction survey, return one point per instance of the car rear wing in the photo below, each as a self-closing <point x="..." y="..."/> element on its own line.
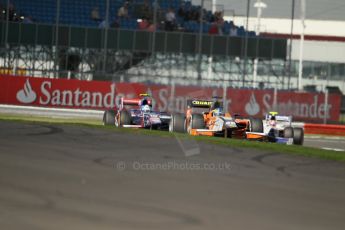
<point x="284" y="118"/>
<point x="133" y="102"/>
<point x="280" y="118"/>
<point x="199" y="103"/>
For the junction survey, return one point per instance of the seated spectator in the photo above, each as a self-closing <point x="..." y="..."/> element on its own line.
<point x="187" y="13"/>
<point x="204" y="15"/>
<point x="160" y="14"/>
<point x="12" y="15"/>
<point x="220" y="28"/>
<point x="233" y="30"/>
<point x="2" y="12"/>
<point x="28" y="20"/>
<point x="103" y="24"/>
<point x="213" y="29"/>
<point x="143" y="24"/>
<point x="219" y="17"/>
<point x="195" y="15"/>
<point x="170" y="20"/>
<point x="212" y="18"/>
<point x="181" y="11"/>
<point x="146" y="11"/>
<point x="95" y="14"/>
<point x="226" y="28"/>
<point x="152" y="27"/>
<point x="115" y="24"/>
<point x="156" y="5"/>
<point x="123" y="11"/>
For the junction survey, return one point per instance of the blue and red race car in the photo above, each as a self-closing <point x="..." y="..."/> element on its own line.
<point x="141" y="116"/>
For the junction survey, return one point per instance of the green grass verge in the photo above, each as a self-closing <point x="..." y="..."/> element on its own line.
<point x="92" y="123"/>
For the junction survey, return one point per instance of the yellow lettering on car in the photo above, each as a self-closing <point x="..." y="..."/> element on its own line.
<point x="201" y="102"/>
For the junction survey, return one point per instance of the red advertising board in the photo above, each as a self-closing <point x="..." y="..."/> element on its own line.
<point x="302" y="106"/>
<point x="63" y="93"/>
<point x="101" y="95"/>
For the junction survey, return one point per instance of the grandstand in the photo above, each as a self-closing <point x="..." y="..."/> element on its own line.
<point x="64" y="41"/>
<point x="77" y="13"/>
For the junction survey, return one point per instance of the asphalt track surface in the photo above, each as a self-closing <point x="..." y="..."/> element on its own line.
<point x="325" y="142"/>
<point x="71" y="177"/>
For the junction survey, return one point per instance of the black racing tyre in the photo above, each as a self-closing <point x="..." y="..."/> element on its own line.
<point x="124" y="119"/>
<point x="288" y="132"/>
<point x="177" y="122"/>
<point x="298" y="137"/>
<point x="197" y="121"/>
<point x="109" y="117"/>
<point x="256" y="125"/>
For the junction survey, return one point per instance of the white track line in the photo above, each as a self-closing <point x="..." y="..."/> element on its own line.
<point x="334" y="149"/>
<point x="51" y="112"/>
<point x="324" y="137"/>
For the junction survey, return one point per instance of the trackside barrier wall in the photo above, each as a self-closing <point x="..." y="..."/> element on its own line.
<point x="335" y="130"/>
<point x="101" y="95"/>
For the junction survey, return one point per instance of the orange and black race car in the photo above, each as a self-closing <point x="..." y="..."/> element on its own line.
<point x="206" y="118"/>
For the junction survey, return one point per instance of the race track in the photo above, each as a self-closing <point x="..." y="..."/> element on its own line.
<point x="71" y="177"/>
<point x="325" y="142"/>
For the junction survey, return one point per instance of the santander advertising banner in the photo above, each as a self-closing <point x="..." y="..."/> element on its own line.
<point x="102" y="95"/>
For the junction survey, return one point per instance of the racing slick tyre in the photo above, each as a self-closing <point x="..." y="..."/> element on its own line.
<point x="109" y="117"/>
<point x="288" y="132"/>
<point x="298" y="136"/>
<point x="197" y="121"/>
<point x="256" y="125"/>
<point x="124" y="119"/>
<point x="177" y="123"/>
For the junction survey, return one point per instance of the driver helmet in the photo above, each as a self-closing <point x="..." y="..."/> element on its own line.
<point x="216" y="108"/>
<point x="215" y="105"/>
<point x="273" y="121"/>
<point x="217" y="111"/>
<point x="144" y="102"/>
<point x="145" y="108"/>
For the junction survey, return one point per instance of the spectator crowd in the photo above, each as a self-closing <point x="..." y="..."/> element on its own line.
<point x="149" y="15"/>
<point x="10" y="13"/>
<point x="186" y="17"/>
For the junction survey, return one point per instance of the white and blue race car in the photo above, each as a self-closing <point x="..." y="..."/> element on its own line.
<point x="279" y="129"/>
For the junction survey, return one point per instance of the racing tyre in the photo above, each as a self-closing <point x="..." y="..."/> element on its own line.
<point x="124" y="119"/>
<point x="288" y="132"/>
<point x="177" y="123"/>
<point x="298" y="136"/>
<point x="197" y="121"/>
<point x="109" y="117"/>
<point x="256" y="125"/>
